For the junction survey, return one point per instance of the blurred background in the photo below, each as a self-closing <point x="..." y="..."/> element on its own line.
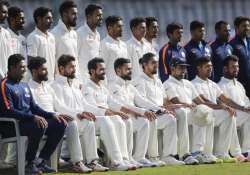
<point x="166" y="11"/>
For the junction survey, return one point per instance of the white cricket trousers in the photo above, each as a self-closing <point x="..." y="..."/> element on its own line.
<point x="167" y="123"/>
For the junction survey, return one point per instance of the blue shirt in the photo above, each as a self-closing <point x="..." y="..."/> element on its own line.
<point x="220" y="50"/>
<point x="167" y="52"/>
<point x="242" y="50"/>
<point x="16" y="101"/>
<point x="194" y="51"/>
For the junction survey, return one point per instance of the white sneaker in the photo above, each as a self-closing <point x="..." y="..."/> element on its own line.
<point x="131" y="166"/>
<point x="203" y="158"/>
<point x="95" y="166"/>
<point x="190" y="160"/>
<point x="135" y="163"/>
<point x="170" y="160"/>
<point x="119" y="167"/>
<point x="80" y="168"/>
<point x="147" y="163"/>
<point x="156" y="161"/>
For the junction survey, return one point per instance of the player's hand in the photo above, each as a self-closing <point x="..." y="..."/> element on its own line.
<point x="40" y="122"/>
<point x="68" y="118"/>
<point x="122" y="115"/>
<point x="86" y="115"/>
<point x="60" y="119"/>
<point x="231" y="111"/>
<point x="150" y="115"/>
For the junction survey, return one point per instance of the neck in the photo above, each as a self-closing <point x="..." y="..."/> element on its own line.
<point x="149" y="75"/>
<point x="36" y="80"/>
<point x="113" y="36"/>
<point x="13" y="78"/>
<point x="176" y="77"/>
<point x="92" y="26"/>
<point x="221" y="39"/>
<point x="138" y="38"/>
<point x="14" y="30"/>
<point x="149" y="39"/>
<point x="45" y="31"/>
<point x="203" y="77"/>
<point x="95" y="80"/>
<point x="228" y="76"/>
<point x="196" y="40"/>
<point x="69" y="27"/>
<point x="173" y="42"/>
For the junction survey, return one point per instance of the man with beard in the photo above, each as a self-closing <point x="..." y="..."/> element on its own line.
<point x="235" y="90"/>
<point x="112" y="47"/>
<point x="152" y="31"/>
<point x="41" y="42"/>
<point x="241" y="48"/>
<point x="123" y="91"/>
<point x="17" y="102"/>
<point x="150" y="87"/>
<point x="97" y="94"/>
<point x="137" y="46"/>
<point x="18" y="44"/>
<point x="16" y="24"/>
<point x="88" y="38"/>
<point x="66" y="36"/>
<point x="197" y="47"/>
<point x="224" y="113"/>
<point x="5" y="38"/>
<point x="170" y="50"/>
<point x="92" y="120"/>
<point x="220" y="48"/>
<point x="45" y="96"/>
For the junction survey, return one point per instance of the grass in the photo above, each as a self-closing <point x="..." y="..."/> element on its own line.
<point x="219" y="169"/>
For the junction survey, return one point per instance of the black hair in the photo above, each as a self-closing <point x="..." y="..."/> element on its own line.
<point x="64" y="60"/>
<point x="219" y="24"/>
<point x="65" y="6"/>
<point x="196" y="25"/>
<point x="111" y="20"/>
<point x="40" y="12"/>
<point x="119" y="62"/>
<point x="136" y="21"/>
<point x="150" y="20"/>
<point x="92" y="64"/>
<point x="35" y="62"/>
<point x="2" y="3"/>
<point x="172" y="27"/>
<point x="146" y="58"/>
<point x="203" y="60"/>
<point x="240" y="19"/>
<point x="14" y="59"/>
<point x="89" y="10"/>
<point x="230" y="58"/>
<point x="13" y="12"/>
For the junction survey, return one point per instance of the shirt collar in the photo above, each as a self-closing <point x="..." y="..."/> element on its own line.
<point x="226" y="80"/>
<point x="94" y="85"/>
<point x="89" y="30"/>
<point x="180" y="82"/>
<point x="34" y="84"/>
<point x="145" y="76"/>
<point x="138" y="42"/>
<point x="112" y="39"/>
<point x="201" y="80"/>
<point x="61" y="79"/>
<point x="121" y="81"/>
<point x="12" y="32"/>
<point x="41" y="33"/>
<point x="63" y="26"/>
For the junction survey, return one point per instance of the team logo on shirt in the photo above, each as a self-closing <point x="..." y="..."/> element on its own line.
<point x="26" y="92"/>
<point x="183" y="54"/>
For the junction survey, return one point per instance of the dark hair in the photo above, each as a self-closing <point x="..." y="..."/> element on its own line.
<point x="89" y="10"/>
<point x="2" y="3"/>
<point x="92" y="64"/>
<point x="203" y="60"/>
<point x="150" y="20"/>
<point x="64" y="60"/>
<point x="14" y="59"/>
<point x="172" y="27"/>
<point x="13" y="12"/>
<point x="41" y="12"/>
<point x="136" y="21"/>
<point x="146" y="58"/>
<point x="119" y="62"/>
<point x="219" y="24"/>
<point x="229" y="58"/>
<point x="196" y="25"/>
<point x="240" y="19"/>
<point x="65" y="6"/>
<point x="35" y="62"/>
<point x="111" y="20"/>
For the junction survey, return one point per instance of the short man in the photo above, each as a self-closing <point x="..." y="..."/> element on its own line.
<point x="88" y="123"/>
<point x="235" y="90"/>
<point x="170" y="50"/>
<point x="5" y="38"/>
<point x="196" y="47"/>
<point x="65" y="35"/>
<point x="151" y="88"/>
<point x="97" y="94"/>
<point x="220" y="48"/>
<point x="41" y="42"/>
<point x="241" y="48"/>
<point x="17" y="102"/>
<point x="88" y="38"/>
<point x="224" y="111"/>
<point x="137" y="47"/>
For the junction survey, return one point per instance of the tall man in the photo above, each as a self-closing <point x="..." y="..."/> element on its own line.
<point x="241" y="48"/>
<point x="88" y="38"/>
<point x="5" y="38"/>
<point x="41" y="42"/>
<point x="112" y="47"/>
<point x="220" y="48"/>
<point x="170" y="50"/>
<point x="17" y="102"/>
<point x="196" y="47"/>
<point x="152" y="32"/>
